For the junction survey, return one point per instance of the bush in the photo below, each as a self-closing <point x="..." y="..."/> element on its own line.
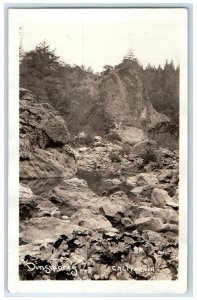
<point x="114" y="157"/>
<point x="85" y="140"/>
<point x="89" y="139"/>
<point x="168" y="141"/>
<point x="149" y="155"/>
<point x="114" y="136"/>
<point x="126" y="150"/>
<point x="166" y="135"/>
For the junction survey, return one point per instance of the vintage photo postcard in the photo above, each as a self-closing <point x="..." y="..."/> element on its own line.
<point x="98" y="150"/>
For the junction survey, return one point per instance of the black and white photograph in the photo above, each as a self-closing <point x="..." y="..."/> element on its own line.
<point x="102" y="109"/>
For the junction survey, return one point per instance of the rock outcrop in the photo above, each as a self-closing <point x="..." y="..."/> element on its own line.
<point x="43" y="141"/>
<point x="118" y="98"/>
<point x="125" y="100"/>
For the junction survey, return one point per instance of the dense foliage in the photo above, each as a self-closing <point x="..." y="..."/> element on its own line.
<point x="163" y="89"/>
<point x="103" y="256"/>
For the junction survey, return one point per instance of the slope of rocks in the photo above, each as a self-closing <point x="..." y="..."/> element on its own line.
<point x="43" y="141"/>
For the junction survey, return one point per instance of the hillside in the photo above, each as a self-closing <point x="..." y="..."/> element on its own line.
<point x="123" y="95"/>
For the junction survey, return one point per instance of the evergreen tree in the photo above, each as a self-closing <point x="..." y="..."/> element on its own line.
<point x="40" y="71"/>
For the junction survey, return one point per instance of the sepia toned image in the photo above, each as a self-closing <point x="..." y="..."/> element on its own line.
<point x="99" y="136"/>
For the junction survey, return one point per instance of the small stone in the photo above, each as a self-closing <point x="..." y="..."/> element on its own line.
<point x="64" y="217"/>
<point x="56" y="214"/>
<point x="137" y="190"/>
<point x="114" y="181"/>
<point x="43" y="213"/>
<point x="82" y="149"/>
<point x="172" y="204"/>
<point x="126" y="222"/>
<point x="131" y="181"/>
<point x="111" y="234"/>
<point x="98" y="138"/>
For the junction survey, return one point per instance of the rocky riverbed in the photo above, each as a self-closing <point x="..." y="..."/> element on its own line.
<point x="102" y="218"/>
<point x="107" y="209"/>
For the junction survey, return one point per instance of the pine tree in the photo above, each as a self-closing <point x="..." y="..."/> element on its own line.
<point x="40" y="71"/>
<point x="130" y="56"/>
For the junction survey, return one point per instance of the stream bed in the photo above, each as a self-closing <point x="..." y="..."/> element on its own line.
<point x="100" y="185"/>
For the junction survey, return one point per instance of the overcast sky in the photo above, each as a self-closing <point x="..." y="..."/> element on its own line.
<point x="96" y="37"/>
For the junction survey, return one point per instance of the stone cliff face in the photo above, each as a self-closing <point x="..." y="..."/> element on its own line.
<point x="126" y="101"/>
<point x="43" y="141"/>
<point x="117" y="97"/>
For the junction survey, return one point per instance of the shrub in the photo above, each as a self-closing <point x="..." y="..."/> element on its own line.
<point x="78" y="141"/>
<point x="89" y="139"/>
<point x="149" y="155"/>
<point x="125" y="150"/>
<point x="114" y="157"/>
<point x="114" y="136"/>
<point x="168" y="141"/>
<point x="166" y="135"/>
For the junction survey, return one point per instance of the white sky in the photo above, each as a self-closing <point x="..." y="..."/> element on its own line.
<point x="96" y="37"/>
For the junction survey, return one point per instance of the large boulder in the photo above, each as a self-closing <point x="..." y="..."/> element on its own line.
<point x="112" y="210"/>
<point x="161" y="198"/>
<point x="43" y="134"/>
<point x="26" y="202"/>
<point x="142" y="192"/>
<point x="48" y="163"/>
<point x="116" y="205"/>
<point x="72" y="195"/>
<point x="142" y="179"/>
<point x="40" y="123"/>
<point x="31" y="206"/>
<point x="170" y="227"/>
<point x="155" y="237"/>
<point x="87" y="219"/>
<point x="44" y="228"/>
<point x="148" y="223"/>
<point x="165" y="214"/>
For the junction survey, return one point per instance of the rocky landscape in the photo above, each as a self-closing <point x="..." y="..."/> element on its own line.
<point x="97" y="207"/>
